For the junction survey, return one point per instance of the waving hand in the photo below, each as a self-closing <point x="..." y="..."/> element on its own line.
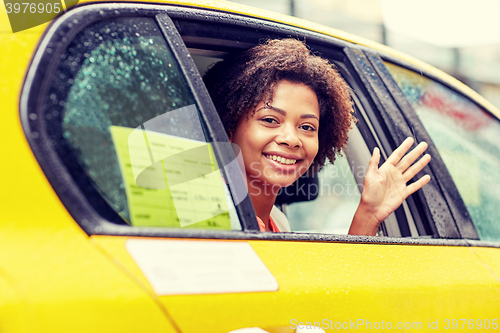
<point x="385" y="187"/>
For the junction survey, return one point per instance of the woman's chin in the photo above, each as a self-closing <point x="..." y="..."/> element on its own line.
<point x="273" y="185"/>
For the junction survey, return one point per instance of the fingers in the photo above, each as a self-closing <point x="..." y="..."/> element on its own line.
<point x="417" y="167"/>
<point x="412" y="188"/>
<point x="400" y="151"/>
<point x="411" y="157"/>
<point x="374" y="161"/>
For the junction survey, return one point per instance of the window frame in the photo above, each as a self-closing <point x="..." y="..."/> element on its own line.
<point x="60" y="34"/>
<point x="375" y="135"/>
<point x="434" y="203"/>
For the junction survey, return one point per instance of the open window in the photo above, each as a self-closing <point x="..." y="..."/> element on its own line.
<point x="323" y="203"/>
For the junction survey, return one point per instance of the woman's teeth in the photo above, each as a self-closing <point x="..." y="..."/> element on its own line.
<point x="281" y="160"/>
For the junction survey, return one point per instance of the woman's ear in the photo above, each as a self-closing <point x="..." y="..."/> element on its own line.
<point x="230" y="137"/>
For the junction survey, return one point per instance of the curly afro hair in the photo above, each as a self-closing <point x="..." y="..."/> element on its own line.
<point x="238" y="84"/>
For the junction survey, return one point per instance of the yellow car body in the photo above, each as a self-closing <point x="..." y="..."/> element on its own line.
<point x="56" y="277"/>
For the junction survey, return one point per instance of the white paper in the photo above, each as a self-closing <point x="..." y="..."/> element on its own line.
<point x="175" y="267"/>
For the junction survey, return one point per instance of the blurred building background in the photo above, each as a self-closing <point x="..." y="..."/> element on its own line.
<point x="460" y="37"/>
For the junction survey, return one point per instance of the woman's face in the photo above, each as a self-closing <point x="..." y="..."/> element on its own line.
<point x="279" y="142"/>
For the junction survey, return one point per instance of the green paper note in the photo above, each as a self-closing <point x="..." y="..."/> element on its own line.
<point x="170" y="181"/>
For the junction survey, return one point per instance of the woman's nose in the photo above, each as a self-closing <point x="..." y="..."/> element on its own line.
<point x="289" y="137"/>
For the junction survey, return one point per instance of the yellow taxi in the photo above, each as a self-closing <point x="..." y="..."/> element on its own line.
<point x="123" y="208"/>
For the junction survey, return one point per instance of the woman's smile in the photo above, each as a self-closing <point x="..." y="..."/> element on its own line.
<point x="279" y="141"/>
<point x="284" y="162"/>
<point x="281" y="160"/>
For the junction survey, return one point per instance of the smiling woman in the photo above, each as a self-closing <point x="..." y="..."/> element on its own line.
<point x="278" y="142"/>
<point x="288" y="111"/>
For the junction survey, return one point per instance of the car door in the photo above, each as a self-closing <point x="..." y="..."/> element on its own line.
<point x="131" y="143"/>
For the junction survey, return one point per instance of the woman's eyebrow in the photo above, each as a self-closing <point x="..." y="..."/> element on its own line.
<point x="283" y="112"/>
<point x="270" y="107"/>
<point x="309" y="115"/>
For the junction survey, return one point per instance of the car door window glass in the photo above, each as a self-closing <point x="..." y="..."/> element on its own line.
<point x="129" y="119"/>
<point x="337" y="200"/>
<point x="467" y="139"/>
<point x="336" y="195"/>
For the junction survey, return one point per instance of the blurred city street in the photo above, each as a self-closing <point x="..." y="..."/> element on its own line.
<point x="458" y="37"/>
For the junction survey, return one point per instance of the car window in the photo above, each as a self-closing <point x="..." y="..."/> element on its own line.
<point x="466" y="137"/>
<point x="126" y="124"/>
<point x="128" y="128"/>
<point x="327" y="202"/>
<point x="322" y="203"/>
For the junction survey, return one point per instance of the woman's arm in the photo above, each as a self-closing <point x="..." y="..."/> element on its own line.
<point x="385" y="189"/>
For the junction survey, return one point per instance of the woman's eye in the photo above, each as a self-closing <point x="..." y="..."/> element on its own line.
<point x="308" y="128"/>
<point x="270" y="120"/>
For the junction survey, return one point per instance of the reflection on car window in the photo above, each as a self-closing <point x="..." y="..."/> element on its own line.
<point x="130" y="121"/>
<point x="467" y="140"/>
